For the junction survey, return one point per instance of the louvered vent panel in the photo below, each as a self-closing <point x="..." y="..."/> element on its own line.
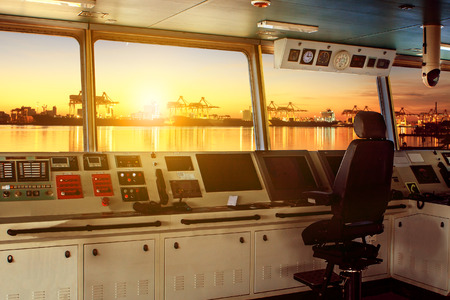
<point x="219" y="278"/>
<point x="120" y="290"/>
<point x="178" y="283"/>
<point x="13" y="297"/>
<point x="199" y="281"/>
<point x="38" y="295"/>
<point x="64" y="294"/>
<point x="143" y="287"/>
<point x="266" y="272"/>
<point x="237" y="276"/>
<point x="97" y="292"/>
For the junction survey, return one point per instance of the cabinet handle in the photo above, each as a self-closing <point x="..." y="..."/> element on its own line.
<point x="400" y="224"/>
<point x="242" y="240"/>
<point x="265" y="238"/>
<point x="67" y="254"/>
<point x="10" y="258"/>
<point x="145" y="248"/>
<point x="176" y="245"/>
<point x="218" y="220"/>
<point x="95" y="252"/>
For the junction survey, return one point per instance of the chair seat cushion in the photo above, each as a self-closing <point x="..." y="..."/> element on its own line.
<point x="327" y="231"/>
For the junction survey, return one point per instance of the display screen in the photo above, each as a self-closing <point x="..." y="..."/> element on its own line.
<point x="425" y="174"/>
<point x="95" y="162"/>
<point x="358" y="61"/>
<point x="287" y="175"/>
<point x="37" y="170"/>
<point x="179" y="163"/>
<point x="228" y="172"/>
<point x="331" y="161"/>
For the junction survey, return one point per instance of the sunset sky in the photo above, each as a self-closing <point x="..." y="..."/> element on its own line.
<point x="41" y="70"/>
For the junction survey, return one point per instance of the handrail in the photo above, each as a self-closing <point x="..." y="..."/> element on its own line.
<point x="14" y="232"/>
<point x="218" y="220"/>
<point x="318" y="213"/>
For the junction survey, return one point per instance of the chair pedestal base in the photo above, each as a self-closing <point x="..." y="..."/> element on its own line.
<point x="352" y="258"/>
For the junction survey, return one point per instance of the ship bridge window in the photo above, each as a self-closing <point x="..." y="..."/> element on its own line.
<point x="37" y="76"/>
<point x="170" y="98"/>
<point x="422" y="113"/>
<point x="313" y="110"/>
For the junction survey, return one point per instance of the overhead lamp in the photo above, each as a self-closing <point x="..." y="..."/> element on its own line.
<point x="288" y="26"/>
<point x="73" y="3"/>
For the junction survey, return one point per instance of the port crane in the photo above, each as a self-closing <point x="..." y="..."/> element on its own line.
<point x="351" y="113"/>
<point x="197" y="110"/>
<point x="103" y="100"/>
<point x="283" y="112"/>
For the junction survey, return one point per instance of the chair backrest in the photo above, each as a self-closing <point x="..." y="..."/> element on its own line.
<point x="363" y="181"/>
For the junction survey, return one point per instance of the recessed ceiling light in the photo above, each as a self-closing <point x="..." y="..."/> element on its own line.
<point x="406" y="6"/>
<point x="74" y="3"/>
<point x="288" y="26"/>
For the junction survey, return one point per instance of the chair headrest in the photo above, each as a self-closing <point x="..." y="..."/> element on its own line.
<point x="369" y="125"/>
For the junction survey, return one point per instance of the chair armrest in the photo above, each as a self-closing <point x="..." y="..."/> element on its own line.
<point x="320" y="198"/>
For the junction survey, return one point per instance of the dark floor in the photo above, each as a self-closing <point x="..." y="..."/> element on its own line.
<point x="385" y="289"/>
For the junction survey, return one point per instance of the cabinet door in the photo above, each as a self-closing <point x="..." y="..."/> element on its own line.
<point x="279" y="254"/>
<point x="421" y="249"/>
<point x="382" y="240"/>
<point x="39" y="273"/>
<point x="119" y="270"/>
<point x="207" y="266"/>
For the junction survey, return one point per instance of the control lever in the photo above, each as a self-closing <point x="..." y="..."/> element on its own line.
<point x="161" y="185"/>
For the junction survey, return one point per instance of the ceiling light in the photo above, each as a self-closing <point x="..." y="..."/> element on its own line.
<point x="73" y="3"/>
<point x="445" y="47"/>
<point x="287" y="26"/>
<point x="260" y="3"/>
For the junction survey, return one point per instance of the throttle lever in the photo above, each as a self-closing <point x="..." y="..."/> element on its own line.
<point x="161" y="185"/>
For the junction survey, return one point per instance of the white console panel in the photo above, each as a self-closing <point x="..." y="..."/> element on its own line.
<point x="119" y="270"/>
<point x="39" y="273"/>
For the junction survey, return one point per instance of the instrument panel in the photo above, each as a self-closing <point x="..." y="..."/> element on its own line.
<point x="58" y="184"/>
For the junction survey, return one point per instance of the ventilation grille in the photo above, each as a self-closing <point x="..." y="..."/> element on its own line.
<point x="13" y="297"/>
<point x="64" y="294"/>
<point x="143" y="287"/>
<point x="237" y="276"/>
<point x="266" y="273"/>
<point x="120" y="290"/>
<point x="284" y="270"/>
<point x="97" y="292"/>
<point x="219" y="278"/>
<point x="38" y="295"/>
<point x="199" y="281"/>
<point x="178" y="283"/>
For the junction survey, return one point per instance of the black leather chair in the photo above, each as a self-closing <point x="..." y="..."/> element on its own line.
<point x="359" y="198"/>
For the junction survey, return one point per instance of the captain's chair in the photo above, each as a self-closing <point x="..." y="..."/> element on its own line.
<point x="360" y="195"/>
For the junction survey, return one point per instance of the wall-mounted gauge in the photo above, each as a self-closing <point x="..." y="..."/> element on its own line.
<point x="341" y="60"/>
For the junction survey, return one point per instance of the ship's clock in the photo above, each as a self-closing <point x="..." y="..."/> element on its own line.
<point x="341" y="60"/>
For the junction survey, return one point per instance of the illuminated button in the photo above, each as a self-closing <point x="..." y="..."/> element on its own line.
<point x="6" y="194"/>
<point x="29" y="193"/>
<point x="49" y="193"/>
<point x="18" y="194"/>
<point x="36" y="193"/>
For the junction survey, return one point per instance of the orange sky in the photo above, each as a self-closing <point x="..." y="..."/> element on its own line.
<point x="44" y="70"/>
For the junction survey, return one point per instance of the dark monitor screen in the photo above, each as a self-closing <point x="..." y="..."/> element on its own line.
<point x="331" y="161"/>
<point x="179" y="163"/>
<point x="287" y="174"/>
<point x="228" y="172"/>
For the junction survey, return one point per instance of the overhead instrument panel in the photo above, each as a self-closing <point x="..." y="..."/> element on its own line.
<point x="328" y="57"/>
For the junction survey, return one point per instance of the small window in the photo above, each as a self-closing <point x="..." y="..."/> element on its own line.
<point x="168" y="98"/>
<point x="422" y="113"/>
<point x="38" y="75"/>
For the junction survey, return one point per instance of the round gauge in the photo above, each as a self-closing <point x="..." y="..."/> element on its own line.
<point x="308" y="56"/>
<point x="323" y="59"/>
<point x="341" y="60"/>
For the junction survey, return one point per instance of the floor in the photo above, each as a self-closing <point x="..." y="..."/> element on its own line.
<point x="386" y="289"/>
